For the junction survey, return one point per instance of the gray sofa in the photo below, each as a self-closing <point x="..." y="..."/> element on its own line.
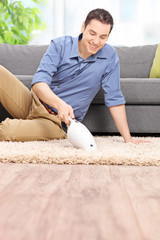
<point x="142" y="93"/>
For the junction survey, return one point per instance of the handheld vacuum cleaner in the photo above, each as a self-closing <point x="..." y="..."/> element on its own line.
<point x="79" y="135"/>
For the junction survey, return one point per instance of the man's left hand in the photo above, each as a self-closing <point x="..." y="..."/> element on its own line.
<point x="138" y="141"/>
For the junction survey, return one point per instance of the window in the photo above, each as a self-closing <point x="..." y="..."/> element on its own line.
<point x="136" y="22"/>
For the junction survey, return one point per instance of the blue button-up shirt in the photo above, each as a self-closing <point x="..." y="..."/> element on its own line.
<point x="76" y="80"/>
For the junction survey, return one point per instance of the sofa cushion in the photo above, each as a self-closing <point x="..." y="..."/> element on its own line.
<point x="136" y="91"/>
<point x="141" y="90"/>
<point x="136" y="62"/>
<point x="24" y="59"/>
<point x="155" y="70"/>
<point x="21" y="59"/>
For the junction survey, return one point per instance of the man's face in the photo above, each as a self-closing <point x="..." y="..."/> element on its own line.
<point x="94" y="37"/>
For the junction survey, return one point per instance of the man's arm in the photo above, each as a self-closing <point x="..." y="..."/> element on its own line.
<point x="44" y="93"/>
<point x="119" y="116"/>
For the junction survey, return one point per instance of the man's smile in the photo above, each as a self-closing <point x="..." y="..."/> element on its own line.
<point x="92" y="46"/>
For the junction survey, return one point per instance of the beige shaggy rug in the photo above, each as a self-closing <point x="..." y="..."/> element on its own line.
<point x="111" y="151"/>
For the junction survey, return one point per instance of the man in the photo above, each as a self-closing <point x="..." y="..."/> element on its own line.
<point x="69" y="76"/>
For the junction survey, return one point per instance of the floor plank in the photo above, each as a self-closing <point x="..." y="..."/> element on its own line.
<point x="143" y="188"/>
<point x="79" y="202"/>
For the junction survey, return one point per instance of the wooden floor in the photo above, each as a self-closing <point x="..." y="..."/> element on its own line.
<point x="66" y="202"/>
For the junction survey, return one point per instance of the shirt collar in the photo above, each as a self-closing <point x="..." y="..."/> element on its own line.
<point x="75" y="53"/>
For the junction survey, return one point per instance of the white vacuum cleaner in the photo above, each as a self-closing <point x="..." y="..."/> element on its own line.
<point x="79" y="135"/>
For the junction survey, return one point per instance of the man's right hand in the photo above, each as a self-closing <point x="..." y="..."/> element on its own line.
<point x="64" y="111"/>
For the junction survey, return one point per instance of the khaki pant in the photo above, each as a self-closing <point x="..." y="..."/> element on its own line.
<point x="31" y="121"/>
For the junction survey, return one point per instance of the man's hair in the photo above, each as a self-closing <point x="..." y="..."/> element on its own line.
<point x="101" y="15"/>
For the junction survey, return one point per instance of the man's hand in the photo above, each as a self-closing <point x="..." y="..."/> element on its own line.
<point x="64" y="111"/>
<point x="138" y="141"/>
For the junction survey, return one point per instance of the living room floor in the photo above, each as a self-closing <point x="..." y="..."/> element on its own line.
<point x="79" y="202"/>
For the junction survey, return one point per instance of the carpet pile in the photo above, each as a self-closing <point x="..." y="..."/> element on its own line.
<point x="111" y="151"/>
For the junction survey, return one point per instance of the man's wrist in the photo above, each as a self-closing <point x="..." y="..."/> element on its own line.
<point x="128" y="139"/>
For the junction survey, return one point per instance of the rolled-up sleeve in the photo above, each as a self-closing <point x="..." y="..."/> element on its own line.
<point x="48" y="65"/>
<point x="111" y="84"/>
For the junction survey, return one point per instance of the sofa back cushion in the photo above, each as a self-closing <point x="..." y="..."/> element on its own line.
<point x="21" y="59"/>
<point x="136" y="62"/>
